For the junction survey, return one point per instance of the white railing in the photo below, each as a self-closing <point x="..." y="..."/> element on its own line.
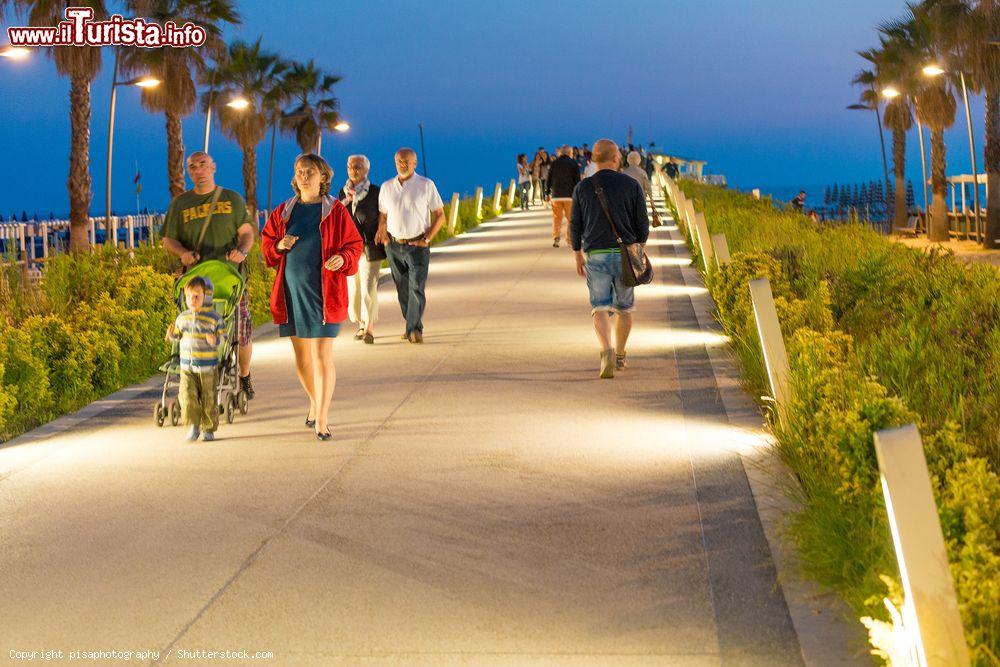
<point x="32" y="243"/>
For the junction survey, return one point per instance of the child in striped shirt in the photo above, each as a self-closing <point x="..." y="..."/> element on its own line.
<point x="200" y="330"/>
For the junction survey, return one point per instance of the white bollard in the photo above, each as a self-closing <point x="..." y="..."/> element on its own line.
<point x="689" y="221"/>
<point x="930" y="611"/>
<point x="114" y="231"/>
<point x="130" y="222"/>
<point x="21" y="243"/>
<point x="92" y="231"/>
<point x="453" y="214"/>
<point x="511" y="189"/>
<point x="771" y="341"/>
<point x="704" y="241"/>
<point x="721" y="246"/>
<point x="479" y="202"/>
<point x="45" y="240"/>
<point x="756" y="193"/>
<point x="497" y="192"/>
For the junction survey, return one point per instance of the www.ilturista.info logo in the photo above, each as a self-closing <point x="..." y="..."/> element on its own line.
<point x="79" y="29"/>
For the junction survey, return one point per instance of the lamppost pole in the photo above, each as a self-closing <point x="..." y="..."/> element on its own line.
<point x="423" y="157"/>
<point x="111" y="143"/>
<point x="208" y="126"/>
<point x="923" y="161"/>
<point x="881" y="140"/>
<point x="144" y="82"/>
<point x="972" y="152"/>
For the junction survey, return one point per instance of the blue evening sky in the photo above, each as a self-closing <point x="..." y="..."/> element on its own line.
<point x="755" y="87"/>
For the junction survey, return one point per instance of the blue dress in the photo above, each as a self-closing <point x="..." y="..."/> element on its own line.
<point x="304" y="276"/>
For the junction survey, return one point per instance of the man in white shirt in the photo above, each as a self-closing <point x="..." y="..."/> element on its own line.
<point x="410" y="214"/>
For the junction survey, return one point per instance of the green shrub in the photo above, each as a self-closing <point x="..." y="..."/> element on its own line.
<point x="878" y="335"/>
<point x="70" y="364"/>
<point x="25" y="379"/>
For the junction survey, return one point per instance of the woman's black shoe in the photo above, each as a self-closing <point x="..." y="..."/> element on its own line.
<point x="311" y="423"/>
<point x="324" y="436"/>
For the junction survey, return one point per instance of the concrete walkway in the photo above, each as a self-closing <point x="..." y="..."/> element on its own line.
<point x="485" y="500"/>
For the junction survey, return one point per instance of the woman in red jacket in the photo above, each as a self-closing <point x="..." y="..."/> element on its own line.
<point x="313" y="242"/>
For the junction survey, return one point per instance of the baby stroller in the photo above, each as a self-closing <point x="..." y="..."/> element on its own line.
<point x="226" y="285"/>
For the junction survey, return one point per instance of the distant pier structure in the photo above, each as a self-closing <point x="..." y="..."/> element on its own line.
<point x="690" y="168"/>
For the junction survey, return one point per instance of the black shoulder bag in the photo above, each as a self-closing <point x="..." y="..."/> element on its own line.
<point x="636" y="268"/>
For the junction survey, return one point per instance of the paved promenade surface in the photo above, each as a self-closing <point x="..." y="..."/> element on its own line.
<point x="486" y="499"/>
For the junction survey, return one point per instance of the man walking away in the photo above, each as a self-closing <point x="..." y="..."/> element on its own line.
<point x="406" y="203"/>
<point x="591" y="233"/>
<point x="563" y="177"/>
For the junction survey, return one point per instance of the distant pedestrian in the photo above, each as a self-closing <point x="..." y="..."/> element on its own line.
<point x="200" y="330"/>
<point x="536" y="174"/>
<point x="410" y="214"/>
<point x="671" y="168"/>
<point x="799" y="203"/>
<point x="591" y="168"/>
<point x="312" y="241"/>
<point x="360" y="196"/>
<point x="592" y="233"/>
<point x="543" y="177"/>
<point x="563" y="177"/>
<point x="523" y="180"/>
<point x="635" y="171"/>
<point x="648" y="165"/>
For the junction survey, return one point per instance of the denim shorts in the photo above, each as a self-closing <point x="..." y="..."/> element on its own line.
<point x="604" y="280"/>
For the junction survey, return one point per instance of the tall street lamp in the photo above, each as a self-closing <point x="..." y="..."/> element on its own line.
<point x="934" y="70"/>
<point x="142" y="82"/>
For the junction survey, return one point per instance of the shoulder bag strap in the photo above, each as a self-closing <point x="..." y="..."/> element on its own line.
<point x="208" y="218"/>
<point x="604" y="205"/>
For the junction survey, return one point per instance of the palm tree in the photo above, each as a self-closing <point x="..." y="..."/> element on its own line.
<point x="895" y="67"/>
<point x="250" y="73"/>
<point x="315" y="110"/>
<point x="274" y="103"/>
<point x="928" y="31"/>
<point x="81" y="64"/>
<point x="175" y="97"/>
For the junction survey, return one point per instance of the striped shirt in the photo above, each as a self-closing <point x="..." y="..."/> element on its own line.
<point x="192" y="328"/>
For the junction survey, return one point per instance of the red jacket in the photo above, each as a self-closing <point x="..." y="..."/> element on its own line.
<point x="339" y="237"/>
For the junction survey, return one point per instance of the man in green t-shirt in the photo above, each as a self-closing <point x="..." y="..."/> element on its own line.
<point x="229" y="236"/>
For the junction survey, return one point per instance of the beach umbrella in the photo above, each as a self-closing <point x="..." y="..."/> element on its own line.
<point x="910" y="199"/>
<point x="826" y="196"/>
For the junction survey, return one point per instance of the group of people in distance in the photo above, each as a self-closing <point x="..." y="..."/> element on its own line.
<point x="551" y="178"/>
<point x="328" y="251"/>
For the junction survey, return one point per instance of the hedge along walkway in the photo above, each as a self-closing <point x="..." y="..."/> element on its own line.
<point x="486" y="499"/>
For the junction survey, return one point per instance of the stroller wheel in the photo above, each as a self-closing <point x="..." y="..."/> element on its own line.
<point x="242" y="402"/>
<point x="230" y="407"/>
<point x="159" y="414"/>
<point x="175" y="413"/>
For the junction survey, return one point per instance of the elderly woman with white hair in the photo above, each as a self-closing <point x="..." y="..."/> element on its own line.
<point x="360" y="196"/>
<point x="635" y="171"/>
